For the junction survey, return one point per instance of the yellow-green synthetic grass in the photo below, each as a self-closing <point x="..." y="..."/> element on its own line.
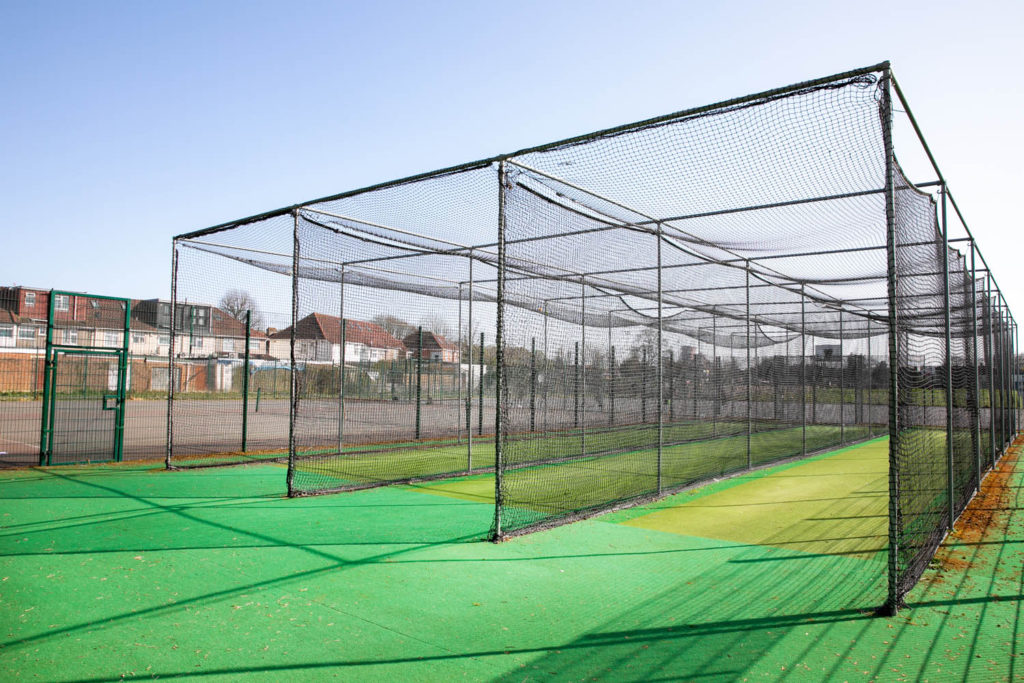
<point x="111" y="572"/>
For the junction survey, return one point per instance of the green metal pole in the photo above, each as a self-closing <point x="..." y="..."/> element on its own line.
<point x="45" y="422"/>
<point x="576" y="385"/>
<point x="533" y="384"/>
<point x="122" y="383"/>
<point x="611" y="387"/>
<point x="245" y="382"/>
<point x="419" y="377"/>
<point x="480" y="410"/>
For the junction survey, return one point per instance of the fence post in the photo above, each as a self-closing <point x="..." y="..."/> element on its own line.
<point x="533" y="384"/>
<point x="842" y="381"/>
<point x="458" y="398"/>
<point x="611" y="386"/>
<point x="643" y="386"/>
<point x="245" y="382"/>
<point x="990" y="366"/>
<point x="480" y="411"/>
<point x="169" y="447"/>
<point x="749" y="394"/>
<point x="803" y="372"/>
<point x="469" y="379"/>
<point x="976" y="402"/>
<point x="419" y="377"/>
<point x="661" y="369"/>
<point x="342" y="334"/>
<point x="583" y="368"/>
<point x="576" y="385"/>
<point x="870" y="402"/>
<point x="950" y="495"/>
<point x="714" y="376"/>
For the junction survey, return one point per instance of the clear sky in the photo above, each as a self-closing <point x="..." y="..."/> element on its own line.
<point x="125" y="123"/>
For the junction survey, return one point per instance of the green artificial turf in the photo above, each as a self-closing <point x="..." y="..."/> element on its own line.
<point x="110" y="572"/>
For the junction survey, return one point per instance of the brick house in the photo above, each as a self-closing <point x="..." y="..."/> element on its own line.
<point x="435" y="347"/>
<point x="318" y="339"/>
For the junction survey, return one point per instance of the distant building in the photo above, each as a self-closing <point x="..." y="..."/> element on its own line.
<point x="435" y="347"/>
<point x="318" y="339"/>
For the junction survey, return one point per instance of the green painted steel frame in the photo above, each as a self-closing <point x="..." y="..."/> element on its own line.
<point x="49" y="376"/>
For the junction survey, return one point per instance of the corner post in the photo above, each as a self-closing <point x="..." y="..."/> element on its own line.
<point x="499" y="341"/>
<point x="169" y="452"/>
<point x="895" y="522"/>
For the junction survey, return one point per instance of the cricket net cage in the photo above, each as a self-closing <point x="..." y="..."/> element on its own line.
<point x="608" y="319"/>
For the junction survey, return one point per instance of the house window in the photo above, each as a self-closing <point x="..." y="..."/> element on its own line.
<point x="6" y="331"/>
<point x="138" y="339"/>
<point x="72" y="336"/>
<point x="26" y="333"/>
<point x="111" y="339"/>
<point x="197" y="343"/>
<point x="30" y="298"/>
<point x="164" y="340"/>
<point x="62" y="302"/>
<point x="228" y="345"/>
<point x="254" y="344"/>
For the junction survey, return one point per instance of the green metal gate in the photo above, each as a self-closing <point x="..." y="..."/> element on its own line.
<point x="85" y="379"/>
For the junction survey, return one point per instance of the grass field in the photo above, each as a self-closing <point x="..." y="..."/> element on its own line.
<point x="109" y="572"/>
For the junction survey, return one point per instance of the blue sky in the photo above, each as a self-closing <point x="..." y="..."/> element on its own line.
<point x="124" y="124"/>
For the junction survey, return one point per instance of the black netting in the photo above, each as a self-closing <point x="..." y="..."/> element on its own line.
<point x="602" y="321"/>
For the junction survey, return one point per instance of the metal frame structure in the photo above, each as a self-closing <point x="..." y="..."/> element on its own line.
<point x="799" y="310"/>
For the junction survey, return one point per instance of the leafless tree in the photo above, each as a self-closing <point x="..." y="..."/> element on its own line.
<point x="237" y="303"/>
<point x="394" y="326"/>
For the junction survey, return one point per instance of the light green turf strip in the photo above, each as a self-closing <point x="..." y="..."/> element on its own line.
<point x="831" y="505"/>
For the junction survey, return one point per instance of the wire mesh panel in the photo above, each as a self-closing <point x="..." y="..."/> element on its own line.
<point x="401" y="387"/>
<point x="229" y="366"/>
<point x="23" y="313"/>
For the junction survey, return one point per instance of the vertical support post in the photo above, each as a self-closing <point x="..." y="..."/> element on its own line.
<point x="661" y="369"/>
<point x="990" y="366"/>
<point x="611" y="386"/>
<point x="643" y="385"/>
<point x="469" y="381"/>
<point x="533" y="384"/>
<point x="610" y="391"/>
<point x="499" y="342"/>
<point x="803" y="372"/>
<point x="975" y="402"/>
<point x="895" y="523"/>
<point x="169" y="451"/>
<point x="583" y="368"/>
<point x="714" y="375"/>
<point x="245" y="382"/>
<point x="869" y="401"/>
<point x="46" y="423"/>
<point x="950" y="484"/>
<point x="480" y="410"/>
<point x="122" y="383"/>
<point x="842" y="381"/>
<point x="671" y="386"/>
<point x="696" y="381"/>
<point x="293" y="393"/>
<point x="750" y="395"/>
<point x="547" y="368"/>
<point x="419" y="379"/>
<point x="576" y="385"/>
<point x="343" y="342"/>
<point x="458" y="398"/>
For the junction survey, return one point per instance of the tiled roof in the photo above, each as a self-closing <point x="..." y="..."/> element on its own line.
<point x="328" y="327"/>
